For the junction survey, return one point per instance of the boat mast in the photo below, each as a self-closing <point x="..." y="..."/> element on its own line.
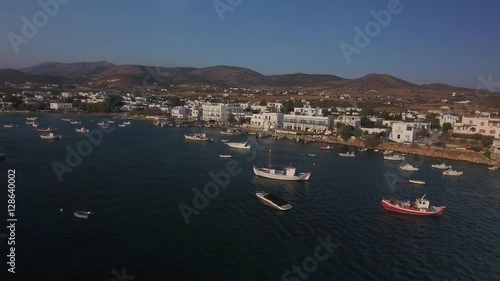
<point x="269" y="156"/>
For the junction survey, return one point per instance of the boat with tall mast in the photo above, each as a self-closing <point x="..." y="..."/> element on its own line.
<point x="288" y="173"/>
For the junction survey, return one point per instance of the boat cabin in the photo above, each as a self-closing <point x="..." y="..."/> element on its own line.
<point x="422" y="204"/>
<point x="290" y="171"/>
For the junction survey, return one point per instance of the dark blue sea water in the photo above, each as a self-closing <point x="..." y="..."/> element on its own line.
<point x="136" y="178"/>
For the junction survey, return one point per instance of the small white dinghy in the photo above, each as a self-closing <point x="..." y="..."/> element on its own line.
<point x="420" y="182"/>
<point x="83" y="214"/>
<point x="311" y="154"/>
<point x="348" y="154"/>
<point x="492" y="168"/>
<point x="225" y="156"/>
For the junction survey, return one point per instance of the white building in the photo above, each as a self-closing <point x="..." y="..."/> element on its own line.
<point x="307" y="123"/>
<point x="60" y="106"/>
<point x="354" y="121"/>
<point x="180" y="112"/>
<point x="478" y="125"/>
<point x="220" y="112"/>
<point x="267" y="120"/>
<point x="447" y="118"/>
<point x="407" y="131"/>
<point x="307" y="111"/>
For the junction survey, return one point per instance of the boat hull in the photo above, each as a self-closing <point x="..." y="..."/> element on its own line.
<point x="262" y="172"/>
<point x="433" y="211"/>
<point x="238" y="145"/>
<point x="261" y="196"/>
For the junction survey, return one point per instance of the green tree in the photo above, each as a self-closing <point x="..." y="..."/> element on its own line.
<point x="486" y="141"/>
<point x="263" y="103"/>
<point x="435" y="124"/>
<point x="366" y="123"/>
<point x="357" y="133"/>
<point x="372" y="141"/>
<point x="241" y="120"/>
<point x="346" y="132"/>
<point x="367" y="111"/>
<point x="477" y="137"/>
<point x="231" y="119"/>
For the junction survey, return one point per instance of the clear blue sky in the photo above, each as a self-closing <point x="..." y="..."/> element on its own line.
<point x="447" y="41"/>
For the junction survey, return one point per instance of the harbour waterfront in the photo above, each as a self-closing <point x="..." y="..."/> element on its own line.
<point x="136" y="178"/>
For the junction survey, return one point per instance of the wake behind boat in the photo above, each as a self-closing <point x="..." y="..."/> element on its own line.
<point x="273" y="200"/>
<point x="421" y="207"/>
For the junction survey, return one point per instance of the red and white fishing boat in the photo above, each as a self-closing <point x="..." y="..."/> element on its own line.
<point x="328" y="147"/>
<point x="421" y="207"/>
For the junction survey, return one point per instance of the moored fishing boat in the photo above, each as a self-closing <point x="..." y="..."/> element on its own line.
<point x="408" y="167"/>
<point x="10" y="126"/>
<point x="50" y="136"/>
<point x="348" y="154"/>
<point x="451" y="172"/>
<point x="395" y="157"/>
<point x="492" y="168"/>
<point x="328" y="147"/>
<point x="363" y="149"/>
<point x="127" y="123"/>
<point x="122" y="125"/>
<point x="198" y="137"/>
<point x="82" y="130"/>
<point x="273" y="200"/>
<point x="225" y="156"/>
<point x="31" y="118"/>
<point x="48" y="130"/>
<point x="312" y="155"/>
<point x="102" y="123"/>
<point x="66" y="120"/>
<point x="388" y="152"/>
<point x="441" y="166"/>
<point x="288" y="173"/>
<point x="232" y="132"/>
<point x="421" y="207"/>
<point x="76" y="122"/>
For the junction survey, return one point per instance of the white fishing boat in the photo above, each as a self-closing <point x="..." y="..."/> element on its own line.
<point x="66" y="120"/>
<point x="225" y="140"/>
<point x="9" y="126"/>
<point x="31" y="118"/>
<point x="198" y="137"/>
<point x="348" y="154"/>
<point x="83" y="214"/>
<point x="287" y="173"/>
<point x="29" y="122"/>
<point x="127" y="123"/>
<point x="420" y="182"/>
<point x="50" y="136"/>
<point x="34" y="125"/>
<point x="82" y="130"/>
<point x="239" y="145"/>
<point x="388" y="152"/>
<point x="492" y="168"/>
<point x="408" y="167"/>
<point x="225" y="156"/>
<point x="48" y="130"/>
<point x="76" y="122"/>
<point x="451" y="172"/>
<point x="395" y="157"/>
<point x="312" y="155"/>
<point x="101" y="123"/>
<point x="122" y="125"/>
<point x="441" y="166"/>
<point x="274" y="201"/>
<point x="111" y="122"/>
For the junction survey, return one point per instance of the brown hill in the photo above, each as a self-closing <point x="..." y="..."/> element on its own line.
<point x="76" y="69"/>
